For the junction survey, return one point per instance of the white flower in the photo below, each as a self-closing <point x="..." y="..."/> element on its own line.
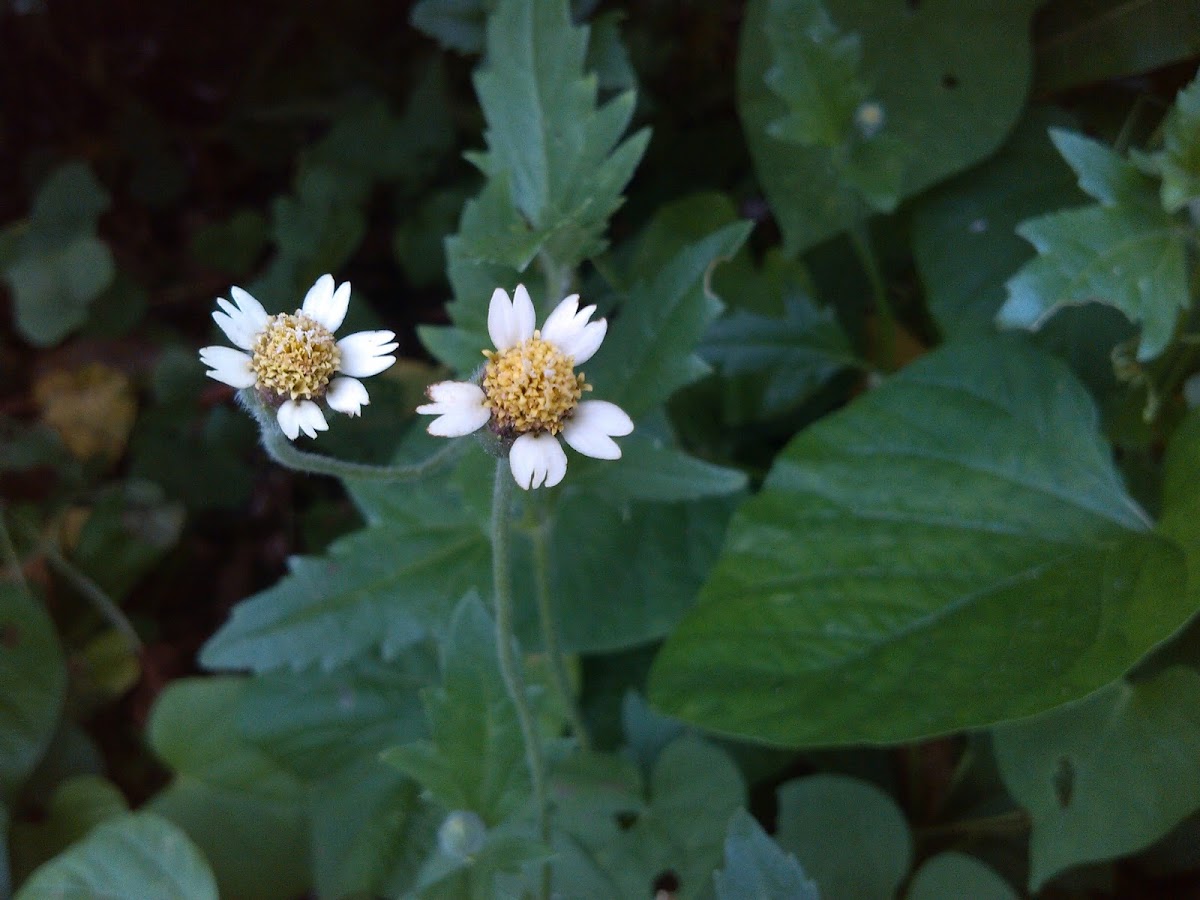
<point x="292" y="358"/>
<point x="530" y="393"/>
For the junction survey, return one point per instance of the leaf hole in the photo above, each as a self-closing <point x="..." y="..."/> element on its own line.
<point x="949" y="81"/>
<point x="626" y="820"/>
<point x="665" y="885"/>
<point x="1064" y="782"/>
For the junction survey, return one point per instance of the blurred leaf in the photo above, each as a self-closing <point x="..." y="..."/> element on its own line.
<point x="92" y="409"/>
<point x="455" y="24"/>
<point x="651" y="470"/>
<point x="33" y="680"/>
<point x="106" y="668"/>
<point x="1125" y="251"/>
<point x="826" y="820"/>
<point x="1084" y="41"/>
<point x="647" y="731"/>
<point x="475" y="759"/>
<point x="80" y="803"/>
<point x="607" y="56"/>
<point x="1178" y="163"/>
<point x="650" y="349"/>
<point x="564" y="154"/>
<point x="233" y="245"/>
<point x="135" y="855"/>
<point x="947" y="103"/>
<point x="418" y="243"/>
<point x="493" y="870"/>
<point x="894" y="555"/>
<point x="678" y="827"/>
<point x="755" y="866"/>
<point x="1108" y="775"/>
<point x="948" y="876"/>
<point x="318" y="724"/>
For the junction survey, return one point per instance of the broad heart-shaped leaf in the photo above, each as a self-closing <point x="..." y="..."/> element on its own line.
<point x="962" y="524"/>
<point x="33" y="679"/>
<point x="1125" y="252"/>
<point x="475" y="759"/>
<point x="1106" y="776"/>
<point x="827" y="820"/>
<point x="948" y="876"/>
<point x="318" y="724"/>
<point x="677" y="827"/>
<point x="946" y="101"/>
<point x="563" y="153"/>
<point x="755" y="866"/>
<point x="136" y="855"/>
<point x="53" y="287"/>
<point x="650" y="349"/>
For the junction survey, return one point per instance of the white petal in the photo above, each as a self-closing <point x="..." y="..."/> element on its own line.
<point x="316" y="301"/>
<point x="243" y="322"/>
<point x="560" y="324"/>
<point x="228" y="365"/>
<point x="585" y="345"/>
<point x="537" y="460"/>
<point x="502" y="321"/>
<point x="590" y="428"/>
<point x="295" y="416"/>
<point x="330" y="306"/>
<point x="460" y="406"/>
<point x="347" y="395"/>
<point x="524" y="315"/>
<point x="366" y="353"/>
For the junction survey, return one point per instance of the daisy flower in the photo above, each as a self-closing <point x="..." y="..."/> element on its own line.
<point x="528" y="394"/>
<point x="292" y="359"/>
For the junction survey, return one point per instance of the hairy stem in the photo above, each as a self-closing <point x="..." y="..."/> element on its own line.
<point x="558" y="668"/>
<point x="510" y="666"/>
<point x="284" y="452"/>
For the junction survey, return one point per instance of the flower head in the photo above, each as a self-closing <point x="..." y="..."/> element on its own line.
<point x="529" y="393"/>
<point x="292" y="359"/>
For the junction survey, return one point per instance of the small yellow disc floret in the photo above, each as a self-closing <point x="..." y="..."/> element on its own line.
<point x="532" y="387"/>
<point x="295" y="356"/>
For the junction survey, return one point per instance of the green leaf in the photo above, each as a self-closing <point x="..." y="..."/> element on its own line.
<point x="1084" y="41"/>
<point x="1102" y="172"/>
<point x="53" y="287"/>
<point x="650" y="349"/>
<point x="318" y="724"/>
<point x="1178" y="163"/>
<point x="826" y="820"/>
<point x="945" y="101"/>
<point x="563" y="153"/>
<point x="678" y="827"/>
<point x="1107" y="776"/>
<point x="651" y="470"/>
<point x="33" y="680"/>
<point x="475" y="759"/>
<point x="68" y="203"/>
<point x="455" y="24"/>
<point x="137" y="855"/>
<point x="230" y="245"/>
<point x="949" y="876"/>
<point x="756" y="867"/>
<point x="895" y="560"/>
<point x="80" y="803"/>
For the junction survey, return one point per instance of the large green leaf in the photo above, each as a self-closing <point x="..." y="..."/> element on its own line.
<point x="826" y="820"/>
<point x="33" y="679"/>
<point x="949" y="876"/>
<point x="755" y="866"/>
<point x="136" y="855"/>
<point x="947" y="101"/>
<point x="475" y="759"/>
<point x="1125" y="251"/>
<point x="963" y="524"/>
<point x="1106" y="776"/>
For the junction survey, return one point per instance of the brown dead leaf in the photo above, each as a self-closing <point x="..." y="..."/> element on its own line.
<point x="91" y="408"/>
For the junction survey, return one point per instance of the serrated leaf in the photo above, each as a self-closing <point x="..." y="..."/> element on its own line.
<point x="1106" y="776"/>
<point x="756" y="867"/>
<point x="475" y="758"/>
<point x="1178" y="164"/>
<point x="948" y="876"/>
<point x="650" y="349"/>
<point x="319" y="724"/>
<point x="137" y="855"/>
<point x="564" y="154"/>
<point x="826" y="820"/>
<point x="896" y="559"/>
<point x="1102" y="172"/>
<point x="33" y="679"/>
<point x="948" y="102"/>
<point x="678" y="827"/>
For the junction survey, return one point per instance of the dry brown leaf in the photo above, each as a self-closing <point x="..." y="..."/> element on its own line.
<point x="91" y="408"/>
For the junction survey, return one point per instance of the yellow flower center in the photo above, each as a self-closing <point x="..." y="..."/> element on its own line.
<point x="295" y="356"/>
<point x="532" y="387"/>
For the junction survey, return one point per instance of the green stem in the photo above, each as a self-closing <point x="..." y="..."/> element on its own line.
<point x="9" y="552"/>
<point x="510" y="667"/>
<point x="284" y="452"/>
<point x="861" y="241"/>
<point x="558" y="668"/>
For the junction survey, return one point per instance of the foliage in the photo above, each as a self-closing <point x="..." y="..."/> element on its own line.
<point x="890" y="593"/>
